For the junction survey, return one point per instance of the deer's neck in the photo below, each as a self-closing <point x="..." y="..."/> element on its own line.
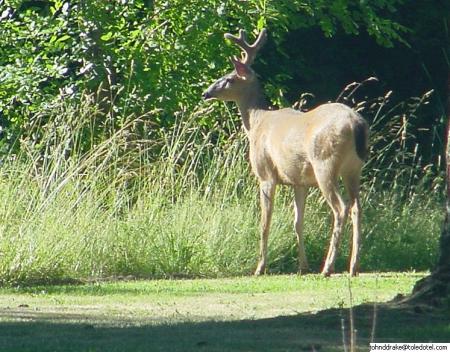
<point x="249" y="106"/>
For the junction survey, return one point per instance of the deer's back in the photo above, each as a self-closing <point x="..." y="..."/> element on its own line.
<point x="287" y="145"/>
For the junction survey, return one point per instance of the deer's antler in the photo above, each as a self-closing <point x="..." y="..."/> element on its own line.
<point x="248" y="51"/>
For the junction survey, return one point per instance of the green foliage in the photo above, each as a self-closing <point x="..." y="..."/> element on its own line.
<point x="141" y="56"/>
<point x="351" y="16"/>
<point x="34" y="60"/>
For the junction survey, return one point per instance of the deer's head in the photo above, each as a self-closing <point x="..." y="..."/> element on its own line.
<point x="237" y="84"/>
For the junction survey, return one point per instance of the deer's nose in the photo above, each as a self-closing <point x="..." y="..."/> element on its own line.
<point x="206" y="95"/>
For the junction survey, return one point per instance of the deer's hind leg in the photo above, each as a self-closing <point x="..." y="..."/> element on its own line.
<point x="300" y="200"/>
<point x="327" y="181"/>
<point x="352" y="185"/>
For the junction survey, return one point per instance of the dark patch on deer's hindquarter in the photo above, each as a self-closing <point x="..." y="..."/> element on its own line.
<point x="360" y="134"/>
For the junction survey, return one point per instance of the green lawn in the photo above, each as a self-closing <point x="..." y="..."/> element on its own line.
<point x="272" y="313"/>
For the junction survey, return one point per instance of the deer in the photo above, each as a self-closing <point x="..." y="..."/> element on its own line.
<point x="299" y="149"/>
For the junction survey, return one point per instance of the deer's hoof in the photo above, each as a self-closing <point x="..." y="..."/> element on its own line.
<point x="260" y="270"/>
<point x="327" y="272"/>
<point x="303" y="271"/>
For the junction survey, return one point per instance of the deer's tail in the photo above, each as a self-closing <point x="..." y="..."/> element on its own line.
<point x="361" y="135"/>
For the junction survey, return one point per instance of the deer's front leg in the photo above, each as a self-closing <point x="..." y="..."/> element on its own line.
<point x="267" y="193"/>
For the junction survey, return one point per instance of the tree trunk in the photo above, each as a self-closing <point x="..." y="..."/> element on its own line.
<point x="435" y="289"/>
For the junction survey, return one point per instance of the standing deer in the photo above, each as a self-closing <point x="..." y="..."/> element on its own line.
<point x="311" y="149"/>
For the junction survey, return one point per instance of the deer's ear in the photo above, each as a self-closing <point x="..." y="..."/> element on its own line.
<point x="242" y="70"/>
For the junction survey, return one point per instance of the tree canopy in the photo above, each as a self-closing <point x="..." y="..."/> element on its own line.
<point x="143" y="55"/>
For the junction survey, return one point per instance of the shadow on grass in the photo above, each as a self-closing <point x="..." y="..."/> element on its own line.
<point x="303" y="332"/>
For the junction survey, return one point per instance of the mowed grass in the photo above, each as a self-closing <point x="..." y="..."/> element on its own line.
<point x="206" y="299"/>
<point x="271" y="313"/>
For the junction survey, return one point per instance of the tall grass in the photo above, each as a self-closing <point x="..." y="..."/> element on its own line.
<point x="184" y="203"/>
